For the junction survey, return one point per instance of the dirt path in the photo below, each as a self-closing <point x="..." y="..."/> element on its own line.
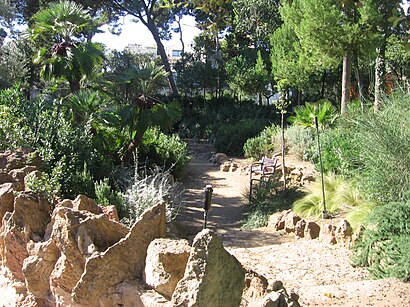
<point x="320" y="273"/>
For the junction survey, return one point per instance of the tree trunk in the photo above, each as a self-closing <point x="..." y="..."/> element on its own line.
<point x="359" y="81"/>
<point x="178" y="20"/>
<point x="379" y="75"/>
<point x="164" y="58"/>
<point x="126" y="158"/>
<point x="282" y="124"/>
<point x="322" y="92"/>
<point x="347" y="67"/>
<point x="74" y="86"/>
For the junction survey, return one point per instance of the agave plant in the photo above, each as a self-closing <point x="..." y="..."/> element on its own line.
<point x="322" y="109"/>
<point x="70" y="56"/>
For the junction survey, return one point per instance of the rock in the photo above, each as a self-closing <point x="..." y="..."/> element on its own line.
<point x="225" y="166"/>
<point x="37" y="268"/>
<point x="274" y="220"/>
<point x="6" y="199"/>
<point x="19" y="175"/>
<point x="274" y="299"/>
<point x="111" y="212"/>
<point x="151" y="298"/>
<point x="83" y="203"/>
<point x="290" y="222"/>
<point x="234" y="167"/>
<point x="312" y="230"/>
<point x="327" y="234"/>
<point x="78" y="234"/>
<point x="5" y="177"/>
<point x="123" y="260"/>
<point x="343" y="233"/>
<point x="165" y="264"/>
<point x="300" y="229"/>
<point x="126" y="294"/>
<point x="213" y="277"/>
<point x="13" y="243"/>
<point x="218" y="158"/>
<point x="68" y="203"/>
<point x="31" y="213"/>
<point x="256" y="287"/>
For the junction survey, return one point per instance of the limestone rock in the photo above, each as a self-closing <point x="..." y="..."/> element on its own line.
<point x="19" y="175"/>
<point x="37" y="268"/>
<point x="5" y="177"/>
<point x="65" y="203"/>
<point x="123" y="260"/>
<point x="31" y="213"/>
<point x="124" y="294"/>
<point x="274" y="299"/>
<point x="300" y="229"/>
<point x="256" y="288"/>
<point x="213" y="277"/>
<point x="111" y="212"/>
<point x="83" y="203"/>
<point x="225" y="166"/>
<point x="290" y="222"/>
<point x="327" y="234"/>
<point x="78" y="234"/>
<point x="13" y="243"/>
<point x="343" y="233"/>
<point x="6" y="199"/>
<point x="312" y="230"/>
<point x="151" y="298"/>
<point x="165" y="264"/>
<point x="218" y="158"/>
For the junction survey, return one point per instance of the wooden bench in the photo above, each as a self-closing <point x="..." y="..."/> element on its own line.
<point x="261" y="171"/>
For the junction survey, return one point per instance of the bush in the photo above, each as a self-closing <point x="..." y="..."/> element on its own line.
<point x="385" y="246"/>
<point x="149" y="190"/>
<point x="263" y="144"/>
<point x="299" y="140"/>
<point x="340" y="196"/>
<point x="230" y="138"/>
<point x="166" y="151"/>
<point x="339" y="151"/>
<point x="384" y="142"/>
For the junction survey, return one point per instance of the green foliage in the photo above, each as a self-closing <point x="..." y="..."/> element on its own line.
<point x="340" y="151"/>
<point x="385" y="246"/>
<point x="230" y="138"/>
<point x="105" y="195"/>
<point x="263" y="144"/>
<point x="267" y="198"/>
<point x="384" y="142"/>
<point x="299" y="141"/>
<point x="45" y="185"/>
<point x="165" y="151"/>
<point x="340" y="197"/>
<point x="305" y="115"/>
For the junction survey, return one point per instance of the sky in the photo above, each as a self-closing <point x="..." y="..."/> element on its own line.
<point x="137" y="33"/>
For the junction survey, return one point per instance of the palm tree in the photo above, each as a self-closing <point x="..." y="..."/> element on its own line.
<point x="71" y="56"/>
<point x="145" y="110"/>
<point x="305" y="115"/>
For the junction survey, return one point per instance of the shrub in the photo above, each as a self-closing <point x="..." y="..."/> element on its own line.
<point x="105" y="195"/>
<point x="263" y="144"/>
<point x="299" y="140"/>
<point x="165" y="151"/>
<point x="230" y="138"/>
<point x="340" y="197"/>
<point x="149" y="190"/>
<point x="384" y="141"/>
<point x="385" y="246"/>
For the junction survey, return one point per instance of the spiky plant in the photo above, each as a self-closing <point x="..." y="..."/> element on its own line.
<point x="305" y="115"/>
<point x="60" y="31"/>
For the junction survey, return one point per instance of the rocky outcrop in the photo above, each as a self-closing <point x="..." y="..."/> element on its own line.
<point x="291" y="221"/>
<point x="121" y="261"/>
<point x="83" y="203"/>
<point x="165" y="264"/>
<point x="213" y="277"/>
<point x="6" y="199"/>
<point x="344" y="233"/>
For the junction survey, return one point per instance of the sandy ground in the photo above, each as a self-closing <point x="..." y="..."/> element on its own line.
<point x="320" y="273"/>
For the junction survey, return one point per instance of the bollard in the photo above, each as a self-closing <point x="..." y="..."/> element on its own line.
<point x="207" y="202"/>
